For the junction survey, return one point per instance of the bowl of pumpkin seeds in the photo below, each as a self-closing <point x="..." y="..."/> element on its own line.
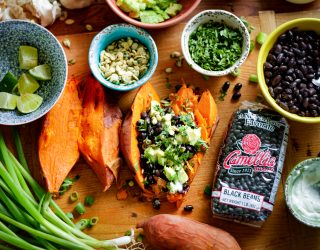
<point x="123" y="57"/>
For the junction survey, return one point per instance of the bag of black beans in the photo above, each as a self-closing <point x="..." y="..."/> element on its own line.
<point x="249" y="165"/>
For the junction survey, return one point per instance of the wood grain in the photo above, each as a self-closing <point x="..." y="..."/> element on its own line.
<point x="281" y="230"/>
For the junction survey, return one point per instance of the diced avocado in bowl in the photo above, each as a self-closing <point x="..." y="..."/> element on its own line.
<point x="150" y="11"/>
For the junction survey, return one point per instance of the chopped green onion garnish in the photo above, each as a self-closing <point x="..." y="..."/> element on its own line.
<point x="89" y="200"/>
<point x="70" y="215"/>
<point x="235" y="73"/>
<point x="206" y="77"/>
<point x="79" y="208"/>
<point x="253" y="78"/>
<point x="261" y="37"/>
<point x="252" y="45"/>
<point x="74" y="196"/>
<point x="82" y="224"/>
<point x="67" y="183"/>
<point x="93" y="221"/>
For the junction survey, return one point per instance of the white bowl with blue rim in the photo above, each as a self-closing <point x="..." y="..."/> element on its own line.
<point x="218" y="16"/>
<point x="113" y="33"/>
<point x="15" y="33"/>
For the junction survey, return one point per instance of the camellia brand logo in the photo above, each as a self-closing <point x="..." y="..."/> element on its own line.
<point x="250" y="157"/>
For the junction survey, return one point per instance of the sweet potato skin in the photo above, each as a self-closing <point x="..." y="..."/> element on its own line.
<point x="99" y="135"/>
<point x="171" y="232"/>
<point x="183" y="101"/>
<point x="58" y="142"/>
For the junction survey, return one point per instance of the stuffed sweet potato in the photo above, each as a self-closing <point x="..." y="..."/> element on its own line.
<point x="58" y="142"/>
<point x="99" y="133"/>
<point x="163" y="142"/>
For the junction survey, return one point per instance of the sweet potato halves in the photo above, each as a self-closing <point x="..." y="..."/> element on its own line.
<point x="150" y="137"/>
<point x="58" y="142"/>
<point x="99" y="135"/>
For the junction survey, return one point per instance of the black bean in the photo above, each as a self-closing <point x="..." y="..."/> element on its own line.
<point x="225" y="86"/>
<point x="188" y="208"/>
<point x="268" y="65"/>
<point x="238" y="86"/>
<point x="283" y="68"/>
<point x="276" y="80"/>
<point x="278" y="48"/>
<point x="236" y="96"/>
<point x="306" y="102"/>
<point x="268" y="74"/>
<point x="144" y="115"/>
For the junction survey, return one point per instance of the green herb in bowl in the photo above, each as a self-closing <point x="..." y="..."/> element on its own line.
<point x="215" y="46"/>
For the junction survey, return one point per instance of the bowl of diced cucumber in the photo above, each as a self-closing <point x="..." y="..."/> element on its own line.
<point x="33" y="71"/>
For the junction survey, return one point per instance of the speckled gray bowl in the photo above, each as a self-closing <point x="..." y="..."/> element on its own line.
<point x="16" y="33"/>
<point x="217" y="16"/>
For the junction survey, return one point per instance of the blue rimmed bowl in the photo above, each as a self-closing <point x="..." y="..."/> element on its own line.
<point x="113" y="33"/>
<point x="15" y="33"/>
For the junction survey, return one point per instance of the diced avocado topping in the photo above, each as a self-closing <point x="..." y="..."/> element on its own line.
<point x="169" y="141"/>
<point x="150" y="11"/>
<point x="174" y="9"/>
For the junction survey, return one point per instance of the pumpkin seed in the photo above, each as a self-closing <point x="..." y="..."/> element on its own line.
<point x="69" y="21"/>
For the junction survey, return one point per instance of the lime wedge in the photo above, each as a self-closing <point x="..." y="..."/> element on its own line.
<point x="27" y="103"/>
<point x="8" y="83"/>
<point x="27" y="84"/>
<point x="8" y="101"/>
<point x="41" y="72"/>
<point x="28" y="57"/>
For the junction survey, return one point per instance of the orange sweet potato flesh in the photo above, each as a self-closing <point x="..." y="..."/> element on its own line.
<point x="58" y="142"/>
<point x="206" y="117"/>
<point x="99" y="134"/>
<point x="128" y="135"/>
<point x="171" y="232"/>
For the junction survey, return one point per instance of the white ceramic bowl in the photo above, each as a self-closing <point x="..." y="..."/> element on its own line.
<point x="220" y="16"/>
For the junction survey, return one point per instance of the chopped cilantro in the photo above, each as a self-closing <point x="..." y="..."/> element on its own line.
<point x="206" y="77"/>
<point x="250" y="28"/>
<point x="67" y="183"/>
<point x="215" y="46"/>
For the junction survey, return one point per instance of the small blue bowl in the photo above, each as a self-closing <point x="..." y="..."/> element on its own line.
<point x="116" y="32"/>
<point x="15" y="33"/>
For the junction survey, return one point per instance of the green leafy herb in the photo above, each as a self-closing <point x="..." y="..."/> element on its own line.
<point x="247" y="24"/>
<point x="89" y="200"/>
<point x="259" y="98"/>
<point x="207" y="191"/>
<point x="206" y="77"/>
<point x="168" y="84"/>
<point x="222" y="95"/>
<point x="215" y="46"/>
<point x="67" y="183"/>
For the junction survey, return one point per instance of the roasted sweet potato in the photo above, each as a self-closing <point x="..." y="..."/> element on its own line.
<point x="58" y="142"/>
<point x="171" y="232"/>
<point x="184" y="101"/>
<point x="99" y="135"/>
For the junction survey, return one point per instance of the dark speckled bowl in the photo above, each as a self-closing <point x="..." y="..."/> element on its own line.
<point x="16" y="33"/>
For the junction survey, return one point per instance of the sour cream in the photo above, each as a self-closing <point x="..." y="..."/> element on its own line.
<point x="304" y="194"/>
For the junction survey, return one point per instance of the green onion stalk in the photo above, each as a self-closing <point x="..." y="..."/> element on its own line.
<point x="26" y="207"/>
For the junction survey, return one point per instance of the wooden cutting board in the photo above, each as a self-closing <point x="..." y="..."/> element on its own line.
<point x="280" y="231"/>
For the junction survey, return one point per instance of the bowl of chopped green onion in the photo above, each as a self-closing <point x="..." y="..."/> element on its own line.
<point x="215" y="42"/>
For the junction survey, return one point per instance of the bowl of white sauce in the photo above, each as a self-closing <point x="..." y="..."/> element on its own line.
<point x="302" y="192"/>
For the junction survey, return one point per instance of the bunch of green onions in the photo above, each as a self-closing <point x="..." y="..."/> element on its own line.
<point x="29" y="218"/>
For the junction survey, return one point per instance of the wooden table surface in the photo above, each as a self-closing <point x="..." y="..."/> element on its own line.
<point x="281" y="231"/>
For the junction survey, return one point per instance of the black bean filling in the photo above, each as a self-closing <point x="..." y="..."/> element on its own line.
<point x="290" y="70"/>
<point x="152" y="171"/>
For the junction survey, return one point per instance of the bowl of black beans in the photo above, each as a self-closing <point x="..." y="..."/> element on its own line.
<point x="289" y="69"/>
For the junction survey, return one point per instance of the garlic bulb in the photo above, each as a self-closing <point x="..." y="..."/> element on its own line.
<point x="75" y="4"/>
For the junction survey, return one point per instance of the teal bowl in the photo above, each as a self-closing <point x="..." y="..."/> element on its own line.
<point x="15" y="33"/>
<point x="115" y="32"/>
